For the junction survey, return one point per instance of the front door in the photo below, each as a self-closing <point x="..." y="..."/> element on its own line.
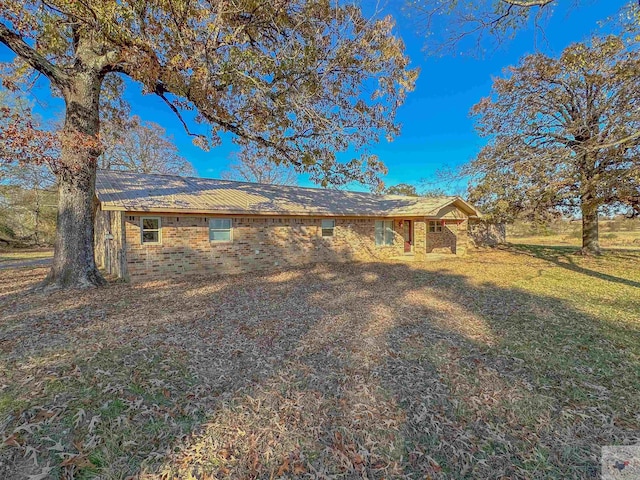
<point x="408" y="236"/>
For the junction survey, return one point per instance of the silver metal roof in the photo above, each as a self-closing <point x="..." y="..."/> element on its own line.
<point x="137" y="192"/>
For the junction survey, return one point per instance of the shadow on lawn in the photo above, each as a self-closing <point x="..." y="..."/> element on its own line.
<point x="359" y="370"/>
<point x="564" y="257"/>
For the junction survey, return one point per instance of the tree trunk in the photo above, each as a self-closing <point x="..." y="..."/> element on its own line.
<point x="590" y="239"/>
<point x="73" y="261"/>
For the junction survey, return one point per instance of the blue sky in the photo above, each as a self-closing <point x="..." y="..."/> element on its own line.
<point x="437" y="131"/>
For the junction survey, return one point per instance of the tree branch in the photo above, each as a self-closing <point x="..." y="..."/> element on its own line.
<point x="528" y="3"/>
<point x="32" y="57"/>
<point x="160" y="91"/>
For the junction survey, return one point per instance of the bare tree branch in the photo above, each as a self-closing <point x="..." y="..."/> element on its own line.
<point x="528" y="3"/>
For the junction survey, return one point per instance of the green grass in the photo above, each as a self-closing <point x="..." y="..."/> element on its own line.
<point x="26" y="254"/>
<point x="613" y="240"/>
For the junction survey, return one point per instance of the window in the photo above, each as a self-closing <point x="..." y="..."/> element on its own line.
<point x="327" y="227"/>
<point x="150" y="228"/>
<point x="384" y="232"/>
<point x="435" y="227"/>
<point x="220" y="230"/>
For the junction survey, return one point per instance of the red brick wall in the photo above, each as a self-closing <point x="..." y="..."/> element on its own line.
<point x="258" y="244"/>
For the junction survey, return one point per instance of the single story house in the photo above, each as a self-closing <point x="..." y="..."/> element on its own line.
<point x="159" y="226"/>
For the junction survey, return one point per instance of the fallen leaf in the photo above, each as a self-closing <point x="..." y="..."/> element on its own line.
<point x="284" y="468"/>
<point x="12" y="441"/>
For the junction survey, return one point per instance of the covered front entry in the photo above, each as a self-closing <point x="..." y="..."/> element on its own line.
<point x="407" y="233"/>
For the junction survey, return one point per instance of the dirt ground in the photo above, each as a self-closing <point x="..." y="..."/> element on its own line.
<point x="516" y="363"/>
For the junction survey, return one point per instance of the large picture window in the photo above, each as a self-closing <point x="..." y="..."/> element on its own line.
<point x="384" y="232"/>
<point x="220" y="230"/>
<point x="150" y="230"/>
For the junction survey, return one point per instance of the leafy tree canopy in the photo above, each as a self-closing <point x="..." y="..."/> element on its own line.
<point x="564" y="136"/>
<point x="295" y="81"/>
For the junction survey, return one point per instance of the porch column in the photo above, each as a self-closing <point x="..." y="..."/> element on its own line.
<point x="420" y="239"/>
<point x="462" y="240"/>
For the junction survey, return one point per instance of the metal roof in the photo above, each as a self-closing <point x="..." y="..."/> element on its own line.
<point x="138" y="192"/>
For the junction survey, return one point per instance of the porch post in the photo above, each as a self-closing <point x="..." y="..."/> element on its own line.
<point x="420" y="239"/>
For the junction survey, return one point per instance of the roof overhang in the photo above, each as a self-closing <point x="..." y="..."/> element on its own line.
<point x="464" y="206"/>
<point x="250" y="213"/>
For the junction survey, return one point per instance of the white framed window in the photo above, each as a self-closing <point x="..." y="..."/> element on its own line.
<point x="220" y="230"/>
<point x="435" y="226"/>
<point x="150" y="230"/>
<point x="384" y="232"/>
<point x="328" y="226"/>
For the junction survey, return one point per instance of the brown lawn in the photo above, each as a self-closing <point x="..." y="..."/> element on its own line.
<point x="516" y="363"/>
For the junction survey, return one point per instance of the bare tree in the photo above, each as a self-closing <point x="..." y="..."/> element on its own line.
<point x="257" y="170"/>
<point x="142" y="147"/>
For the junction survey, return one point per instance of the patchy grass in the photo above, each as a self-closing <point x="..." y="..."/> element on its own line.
<point x="614" y="240"/>
<point x="517" y="363"/>
<point x="25" y="254"/>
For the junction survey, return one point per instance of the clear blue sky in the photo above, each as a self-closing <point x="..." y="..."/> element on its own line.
<point x="437" y="131"/>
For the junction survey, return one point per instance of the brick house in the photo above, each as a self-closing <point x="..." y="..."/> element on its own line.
<point x="159" y="226"/>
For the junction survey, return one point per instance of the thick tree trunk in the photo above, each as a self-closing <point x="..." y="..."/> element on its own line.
<point x="590" y="238"/>
<point x="73" y="261"/>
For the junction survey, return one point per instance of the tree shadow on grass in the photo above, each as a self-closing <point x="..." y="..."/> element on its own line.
<point x="564" y="257"/>
<point x="365" y="370"/>
<point x="535" y="401"/>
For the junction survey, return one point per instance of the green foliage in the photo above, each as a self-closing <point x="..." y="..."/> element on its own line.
<point x="6" y="231"/>
<point x="402" y="189"/>
<point x="27" y="204"/>
<point x="412" y="191"/>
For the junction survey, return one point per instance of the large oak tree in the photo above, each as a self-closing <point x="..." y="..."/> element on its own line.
<point x="564" y="136"/>
<point x="294" y="80"/>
